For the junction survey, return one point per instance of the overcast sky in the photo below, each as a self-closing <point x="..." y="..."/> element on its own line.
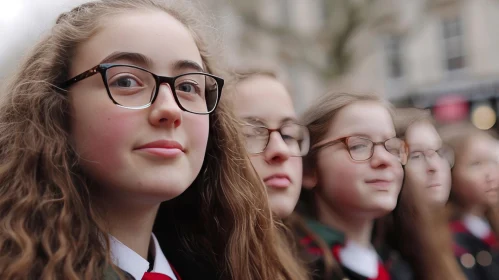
<point x="23" y="22"/>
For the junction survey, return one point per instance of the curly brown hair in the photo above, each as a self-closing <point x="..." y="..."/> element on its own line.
<point x="49" y="227"/>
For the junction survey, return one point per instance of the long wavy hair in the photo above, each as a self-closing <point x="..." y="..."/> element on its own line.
<point x="48" y="225"/>
<point x="459" y="137"/>
<point x="418" y="232"/>
<point x="289" y="225"/>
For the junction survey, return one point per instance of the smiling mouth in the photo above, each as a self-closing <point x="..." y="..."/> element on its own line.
<point x="162" y="152"/>
<point x="162" y="148"/>
<point x="383" y="185"/>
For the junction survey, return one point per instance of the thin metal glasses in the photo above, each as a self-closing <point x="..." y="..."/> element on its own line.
<point x="133" y="87"/>
<point x="424" y="156"/>
<point x="296" y="137"/>
<point x="362" y="149"/>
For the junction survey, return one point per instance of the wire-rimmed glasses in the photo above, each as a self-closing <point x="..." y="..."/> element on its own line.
<point x="362" y="148"/>
<point x="424" y="156"/>
<point x="295" y="136"/>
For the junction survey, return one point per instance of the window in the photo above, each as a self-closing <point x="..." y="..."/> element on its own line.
<point x="325" y="8"/>
<point x="393" y="47"/>
<point x="453" y="43"/>
<point x="285" y="11"/>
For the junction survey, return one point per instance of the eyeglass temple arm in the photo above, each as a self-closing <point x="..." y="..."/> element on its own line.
<point x="80" y="77"/>
<point x="320" y="146"/>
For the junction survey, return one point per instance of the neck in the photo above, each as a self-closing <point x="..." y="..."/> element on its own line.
<point x="130" y="224"/>
<point x="355" y="228"/>
<point x="478" y="211"/>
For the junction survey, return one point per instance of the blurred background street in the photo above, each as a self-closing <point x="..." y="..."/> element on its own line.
<point x="437" y="54"/>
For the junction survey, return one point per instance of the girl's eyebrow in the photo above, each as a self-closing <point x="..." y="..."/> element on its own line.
<point x="364" y="135"/>
<point x="424" y="147"/>
<point x="289" y="120"/>
<point x="146" y="62"/>
<point x="257" y="121"/>
<point x="187" y="65"/>
<point x="135" y="58"/>
<point x="254" y="121"/>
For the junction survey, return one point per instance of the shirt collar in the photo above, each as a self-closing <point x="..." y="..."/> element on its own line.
<point x="362" y="260"/>
<point x="131" y="262"/>
<point x="329" y="235"/>
<point x="477" y="226"/>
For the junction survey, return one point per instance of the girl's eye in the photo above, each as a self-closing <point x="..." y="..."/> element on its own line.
<point x="125" y="81"/>
<point x="416" y="155"/>
<point x="189" y="87"/>
<point x="358" y="147"/>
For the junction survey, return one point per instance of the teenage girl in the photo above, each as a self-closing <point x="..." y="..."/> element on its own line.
<point x="415" y="240"/>
<point x="274" y="139"/>
<point x="474" y="196"/>
<point x="116" y="112"/>
<point x="354" y="175"/>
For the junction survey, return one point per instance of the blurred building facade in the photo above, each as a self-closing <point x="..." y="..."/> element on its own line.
<point x="414" y="52"/>
<point x="277" y="34"/>
<point x="433" y="53"/>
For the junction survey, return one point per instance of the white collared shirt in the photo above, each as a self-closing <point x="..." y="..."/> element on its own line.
<point x="477" y="226"/>
<point x="359" y="259"/>
<point x="131" y="262"/>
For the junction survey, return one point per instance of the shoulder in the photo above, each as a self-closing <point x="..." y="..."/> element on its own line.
<point x="111" y="274"/>
<point x="328" y="234"/>
<point x="397" y="266"/>
<point x="186" y="263"/>
<point x="464" y="242"/>
<point x="313" y="245"/>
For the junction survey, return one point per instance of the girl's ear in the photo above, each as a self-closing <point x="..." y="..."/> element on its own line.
<point x="309" y="179"/>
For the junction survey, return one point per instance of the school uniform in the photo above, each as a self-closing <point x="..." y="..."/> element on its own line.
<point x="397" y="266"/>
<point x="135" y="267"/>
<point x="191" y="265"/>
<point x="476" y="248"/>
<point x="357" y="262"/>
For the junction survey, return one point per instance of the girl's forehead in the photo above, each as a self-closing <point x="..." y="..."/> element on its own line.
<point x="477" y="147"/>
<point x="366" y="118"/>
<point x="263" y="98"/>
<point x="479" y="144"/>
<point x="154" y="34"/>
<point x="422" y="134"/>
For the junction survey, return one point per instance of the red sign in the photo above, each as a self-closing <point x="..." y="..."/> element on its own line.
<point x="451" y="109"/>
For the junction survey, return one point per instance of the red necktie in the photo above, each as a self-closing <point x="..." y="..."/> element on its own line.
<point x="155" y="276"/>
<point x="382" y="273"/>
<point x="491" y="240"/>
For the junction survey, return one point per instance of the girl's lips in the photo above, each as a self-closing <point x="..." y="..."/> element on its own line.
<point x="380" y="184"/>
<point x="162" y="152"/>
<point x="162" y="148"/>
<point x="434" y="185"/>
<point x="165" y="144"/>
<point x="279" y="181"/>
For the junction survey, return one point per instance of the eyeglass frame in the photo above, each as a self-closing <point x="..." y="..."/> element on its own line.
<point x="451" y="164"/>
<point x="319" y="146"/>
<point x="270" y="130"/>
<point x="103" y="67"/>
